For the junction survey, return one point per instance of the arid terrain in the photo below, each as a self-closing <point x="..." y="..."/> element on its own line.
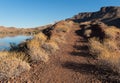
<point x="13" y="31"/>
<point x="81" y="49"/>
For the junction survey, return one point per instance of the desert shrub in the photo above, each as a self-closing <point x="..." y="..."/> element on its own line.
<point x="11" y="66"/>
<point x="63" y="26"/>
<point x="38" y="55"/>
<point x="111" y="32"/>
<point x="19" y="55"/>
<point x="40" y="37"/>
<point x="106" y="52"/>
<point x="95" y="47"/>
<point x="50" y="47"/>
<point x="32" y="44"/>
<point x="35" y="51"/>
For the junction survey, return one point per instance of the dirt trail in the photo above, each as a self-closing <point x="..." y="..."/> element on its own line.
<point x="68" y="65"/>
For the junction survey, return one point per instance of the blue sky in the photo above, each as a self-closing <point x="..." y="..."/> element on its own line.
<point x="33" y="13"/>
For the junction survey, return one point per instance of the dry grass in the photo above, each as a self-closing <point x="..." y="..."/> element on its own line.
<point x="59" y="39"/>
<point x="35" y="51"/>
<point x="39" y="51"/>
<point x="111" y="32"/>
<point x="19" y="55"/>
<point x="38" y="55"/>
<point x="40" y="37"/>
<point x="108" y="51"/>
<point x="63" y="26"/>
<point x="50" y="46"/>
<point x="40" y="47"/>
<point x="32" y="44"/>
<point x="11" y="66"/>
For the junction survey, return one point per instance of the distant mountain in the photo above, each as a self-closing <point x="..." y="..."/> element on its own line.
<point x="109" y="15"/>
<point x="13" y="31"/>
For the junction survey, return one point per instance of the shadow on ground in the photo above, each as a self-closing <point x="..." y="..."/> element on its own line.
<point x="80" y="46"/>
<point x="81" y="50"/>
<point x="104" y="75"/>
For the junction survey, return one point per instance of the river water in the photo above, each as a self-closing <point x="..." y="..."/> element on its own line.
<point x="5" y="42"/>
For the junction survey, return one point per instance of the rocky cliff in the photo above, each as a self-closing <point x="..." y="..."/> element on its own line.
<point x="109" y="15"/>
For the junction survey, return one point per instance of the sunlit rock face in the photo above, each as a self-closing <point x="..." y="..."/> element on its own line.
<point x="109" y="15"/>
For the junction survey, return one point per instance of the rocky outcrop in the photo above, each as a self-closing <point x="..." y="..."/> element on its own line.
<point x="109" y="15"/>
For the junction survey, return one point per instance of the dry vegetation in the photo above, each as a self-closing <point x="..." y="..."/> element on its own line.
<point x="12" y="64"/>
<point x="107" y="51"/>
<point x="39" y="47"/>
<point x="17" y="60"/>
<point x="50" y="47"/>
<point x="60" y="29"/>
<point x="35" y="51"/>
<point x="63" y="26"/>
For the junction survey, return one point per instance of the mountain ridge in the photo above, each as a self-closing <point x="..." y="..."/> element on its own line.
<point x="110" y="15"/>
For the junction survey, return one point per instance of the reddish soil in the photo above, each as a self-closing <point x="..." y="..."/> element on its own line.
<point x="68" y="65"/>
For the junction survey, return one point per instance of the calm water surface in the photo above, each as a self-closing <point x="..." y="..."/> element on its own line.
<point x="5" y="42"/>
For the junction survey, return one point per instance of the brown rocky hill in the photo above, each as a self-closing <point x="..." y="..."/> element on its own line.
<point x="109" y="15"/>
